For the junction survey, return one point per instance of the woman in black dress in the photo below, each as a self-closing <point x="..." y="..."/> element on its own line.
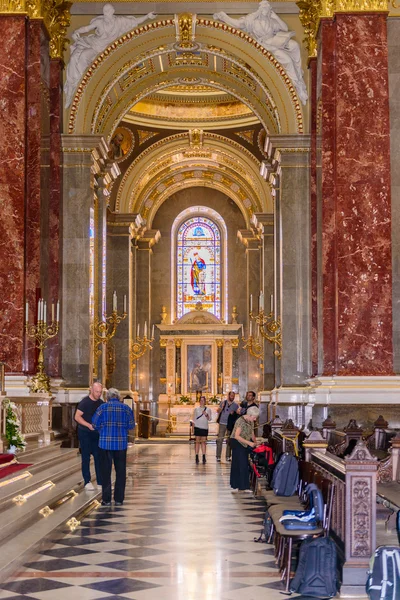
<point x="242" y="438"/>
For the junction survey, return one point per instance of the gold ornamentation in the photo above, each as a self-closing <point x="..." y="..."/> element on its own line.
<point x="73" y="524"/>
<point x="41" y="333"/>
<point x="104" y="331"/>
<point x="311" y="11"/>
<point x="138" y="348"/>
<point x="12" y="6"/>
<point x="186" y="36"/>
<point x="270" y="329"/>
<point x="254" y="346"/>
<point x="309" y="17"/>
<point x="45" y="511"/>
<point x="24" y="497"/>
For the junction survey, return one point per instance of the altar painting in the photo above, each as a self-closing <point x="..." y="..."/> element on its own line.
<point x="199" y="368"/>
<point x="198" y="266"/>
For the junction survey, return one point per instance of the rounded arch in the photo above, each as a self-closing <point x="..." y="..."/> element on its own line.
<point x="251" y="73"/>
<point x="175" y="163"/>
<point x="207" y="213"/>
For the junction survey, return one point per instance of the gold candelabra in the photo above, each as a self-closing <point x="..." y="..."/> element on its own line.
<point x="104" y="331"/>
<point x="41" y="333"/>
<point x="254" y="346"/>
<point x="138" y="348"/>
<point x="270" y="329"/>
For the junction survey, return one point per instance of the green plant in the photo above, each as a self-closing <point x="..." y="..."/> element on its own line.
<point x="214" y="400"/>
<point x="13" y="434"/>
<point x="185" y="400"/>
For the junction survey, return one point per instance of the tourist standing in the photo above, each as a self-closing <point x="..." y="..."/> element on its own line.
<point x="113" y="420"/>
<point x="201" y="419"/>
<point x="88" y="437"/>
<point x="242" y="438"/>
<point x="226" y="407"/>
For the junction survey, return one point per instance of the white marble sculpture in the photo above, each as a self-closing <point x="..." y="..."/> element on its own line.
<point x="84" y="50"/>
<point x="270" y="31"/>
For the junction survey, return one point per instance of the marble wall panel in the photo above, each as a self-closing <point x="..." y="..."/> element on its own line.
<point x="77" y="200"/>
<point x="313" y="214"/>
<point x="12" y="189"/>
<point x="296" y="281"/>
<point x="363" y="211"/>
<point x="394" y="102"/>
<point x="327" y="196"/>
<point x="54" y="203"/>
<point x="118" y="251"/>
<point x="355" y="196"/>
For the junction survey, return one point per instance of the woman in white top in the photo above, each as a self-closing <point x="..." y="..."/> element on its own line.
<point x="201" y="418"/>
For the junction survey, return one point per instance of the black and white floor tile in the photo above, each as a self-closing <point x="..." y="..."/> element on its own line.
<point x="180" y="535"/>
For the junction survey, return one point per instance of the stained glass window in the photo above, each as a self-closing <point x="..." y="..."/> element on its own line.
<point x="198" y="263"/>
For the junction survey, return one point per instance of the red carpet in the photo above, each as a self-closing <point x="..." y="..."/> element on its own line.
<point x="6" y="458"/>
<point x="12" y="469"/>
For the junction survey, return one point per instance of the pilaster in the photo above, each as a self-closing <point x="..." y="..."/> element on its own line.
<point x="13" y="88"/>
<point x="356" y="262"/>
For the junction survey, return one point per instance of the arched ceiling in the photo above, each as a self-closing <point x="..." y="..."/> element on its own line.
<point x="148" y="61"/>
<point x="194" y="159"/>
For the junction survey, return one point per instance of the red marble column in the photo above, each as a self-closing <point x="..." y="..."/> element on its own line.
<point x="56" y="66"/>
<point x="313" y="212"/>
<point x="356" y="215"/>
<point x="33" y="179"/>
<point x="12" y="189"/>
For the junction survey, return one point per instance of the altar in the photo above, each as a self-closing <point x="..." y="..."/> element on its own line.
<point x="199" y="354"/>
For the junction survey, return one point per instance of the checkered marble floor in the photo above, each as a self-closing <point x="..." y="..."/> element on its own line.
<point x="180" y="535"/>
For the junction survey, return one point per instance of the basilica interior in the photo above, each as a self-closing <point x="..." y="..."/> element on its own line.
<point x="196" y="198"/>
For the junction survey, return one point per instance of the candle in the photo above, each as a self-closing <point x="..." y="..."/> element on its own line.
<point x="58" y="311"/>
<point x="26" y="312"/>
<point x="104" y="306"/>
<point x="40" y="317"/>
<point x="45" y="312"/>
<point x="251" y="328"/>
<point x="261" y="301"/>
<point x="272" y="303"/>
<point x="138" y="331"/>
<point x="52" y="312"/>
<point x="152" y="333"/>
<point x="125" y="304"/>
<point x="251" y="302"/>
<point x="145" y="329"/>
<point x="38" y="310"/>
<point x="115" y="301"/>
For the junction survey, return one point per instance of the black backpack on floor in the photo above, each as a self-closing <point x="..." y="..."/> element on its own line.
<point x="316" y="572"/>
<point x="383" y="581"/>
<point x="266" y="534"/>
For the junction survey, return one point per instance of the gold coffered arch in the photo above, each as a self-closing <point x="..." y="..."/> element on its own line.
<point x="177" y="162"/>
<point x="148" y="59"/>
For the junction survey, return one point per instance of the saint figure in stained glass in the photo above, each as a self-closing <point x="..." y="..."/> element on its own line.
<point x="198" y="266"/>
<point x="196" y="274"/>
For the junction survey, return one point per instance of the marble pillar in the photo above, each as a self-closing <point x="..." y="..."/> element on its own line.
<point x="313" y="215"/>
<point x="37" y="189"/>
<point x="254" y="278"/>
<point x="146" y="370"/>
<point x="394" y="104"/>
<point x="77" y="290"/>
<point x="118" y="278"/>
<point x="266" y="221"/>
<point x="54" y="348"/>
<point x="293" y="242"/>
<point x="12" y="188"/>
<point x="355" y="194"/>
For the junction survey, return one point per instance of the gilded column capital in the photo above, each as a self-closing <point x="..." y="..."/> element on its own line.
<point x="311" y="11"/>
<point x="56" y="17"/>
<point x="12" y="6"/>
